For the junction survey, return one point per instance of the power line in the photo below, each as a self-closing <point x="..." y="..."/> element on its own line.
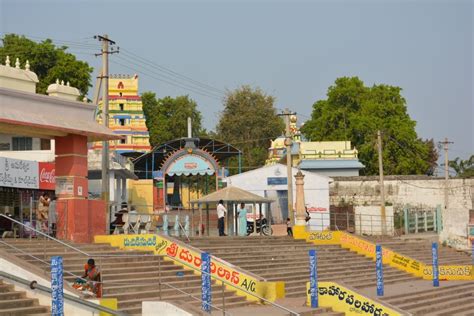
<point x="163" y="80"/>
<point x="169" y="79"/>
<point x="172" y="75"/>
<point x="204" y="85"/>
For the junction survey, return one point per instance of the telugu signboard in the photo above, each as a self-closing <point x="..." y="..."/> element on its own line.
<point x="17" y="173"/>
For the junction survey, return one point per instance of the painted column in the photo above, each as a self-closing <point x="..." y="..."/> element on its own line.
<point x="72" y="188"/>
<point x="78" y="219"/>
<point x="313" y="278"/>
<point x="434" y="251"/>
<point x="123" y="192"/>
<point x="300" y="203"/>
<point x="379" y="269"/>
<point x="113" y="191"/>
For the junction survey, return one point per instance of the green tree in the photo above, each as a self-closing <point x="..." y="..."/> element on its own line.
<point x="48" y="62"/>
<point x="463" y="168"/>
<point x="249" y="121"/>
<point x="355" y="112"/>
<point x="166" y="118"/>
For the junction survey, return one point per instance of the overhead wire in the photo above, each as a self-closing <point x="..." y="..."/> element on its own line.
<point x="179" y="80"/>
<point x="163" y="80"/>
<point x="168" y="78"/>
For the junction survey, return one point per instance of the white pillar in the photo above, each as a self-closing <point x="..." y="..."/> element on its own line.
<point x="124" y="195"/>
<point x="112" y="186"/>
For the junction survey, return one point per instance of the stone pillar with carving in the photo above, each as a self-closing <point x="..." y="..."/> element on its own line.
<point x="300" y="203"/>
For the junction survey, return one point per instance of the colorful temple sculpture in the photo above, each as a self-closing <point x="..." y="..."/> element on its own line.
<point x="330" y="158"/>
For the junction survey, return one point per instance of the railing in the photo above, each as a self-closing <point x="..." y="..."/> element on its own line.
<point x="361" y="224"/>
<point x="34" y="285"/>
<point x="261" y="299"/>
<point x="160" y="283"/>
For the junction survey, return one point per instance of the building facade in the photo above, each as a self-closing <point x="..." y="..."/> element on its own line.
<point x="126" y="117"/>
<point x="330" y="158"/>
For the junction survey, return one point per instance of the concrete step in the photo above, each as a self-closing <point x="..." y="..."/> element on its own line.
<point x="6" y="288"/>
<point x="12" y="295"/>
<point x="438" y="304"/>
<point x="21" y="311"/>
<point x="18" y="302"/>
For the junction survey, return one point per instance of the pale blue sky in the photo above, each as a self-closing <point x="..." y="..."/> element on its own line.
<point x="292" y="49"/>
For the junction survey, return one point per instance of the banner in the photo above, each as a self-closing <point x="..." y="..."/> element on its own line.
<point x="313" y="278"/>
<point x="206" y="281"/>
<point x="47" y="176"/>
<point x="57" y="295"/>
<point x="17" y="173"/>
<point x="379" y="269"/>
<point x="434" y="251"/>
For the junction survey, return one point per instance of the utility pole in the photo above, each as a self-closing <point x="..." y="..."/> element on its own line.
<point x="104" y="79"/>
<point x="445" y="144"/>
<point x="288" y="142"/>
<point x="382" y="187"/>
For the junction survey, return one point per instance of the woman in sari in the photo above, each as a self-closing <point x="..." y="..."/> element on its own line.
<point x="92" y="275"/>
<point x="242" y="220"/>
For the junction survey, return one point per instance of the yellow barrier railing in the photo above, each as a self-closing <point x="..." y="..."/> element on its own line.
<point x="390" y="257"/>
<point x="345" y="300"/>
<point x="245" y="284"/>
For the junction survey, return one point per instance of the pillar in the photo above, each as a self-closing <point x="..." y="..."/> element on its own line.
<point x="72" y="187"/>
<point x="300" y="203"/>
<point x="123" y="194"/>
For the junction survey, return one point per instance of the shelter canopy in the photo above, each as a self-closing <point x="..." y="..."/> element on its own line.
<point x="232" y="194"/>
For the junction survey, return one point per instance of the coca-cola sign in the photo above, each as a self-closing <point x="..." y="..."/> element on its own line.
<point x="47" y="177"/>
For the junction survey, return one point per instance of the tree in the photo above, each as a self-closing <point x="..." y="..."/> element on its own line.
<point x="463" y="168"/>
<point x="166" y="118"/>
<point x="249" y="121"/>
<point x="355" y="112"/>
<point x="48" y="62"/>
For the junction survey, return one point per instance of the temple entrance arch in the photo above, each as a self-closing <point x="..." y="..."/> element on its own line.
<point x="186" y="163"/>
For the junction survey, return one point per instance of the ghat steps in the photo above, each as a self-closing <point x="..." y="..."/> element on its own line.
<point x="14" y="302"/>
<point x="129" y="279"/>
<point x="286" y="259"/>
<point x="420" y="249"/>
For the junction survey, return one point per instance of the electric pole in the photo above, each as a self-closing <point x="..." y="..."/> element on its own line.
<point x="104" y="80"/>
<point x="445" y="144"/>
<point x="289" y="168"/>
<point x="382" y="187"/>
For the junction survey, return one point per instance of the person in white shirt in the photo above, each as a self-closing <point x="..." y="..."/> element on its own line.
<point x="221" y="213"/>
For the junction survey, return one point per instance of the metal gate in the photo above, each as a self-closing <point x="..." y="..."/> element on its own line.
<point x="422" y="221"/>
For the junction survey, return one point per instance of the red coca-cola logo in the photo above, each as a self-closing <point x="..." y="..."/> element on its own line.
<point x="47" y="176"/>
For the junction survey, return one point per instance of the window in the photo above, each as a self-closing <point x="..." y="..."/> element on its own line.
<point x="45" y="144"/>
<point x="22" y="143"/>
<point x="123" y="141"/>
<point x="121" y="106"/>
<point x="4" y="146"/>
<point x="120" y="93"/>
<point x="122" y="122"/>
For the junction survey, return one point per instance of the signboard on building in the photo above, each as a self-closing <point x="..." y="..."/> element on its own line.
<point x="47" y="175"/>
<point x="17" y="173"/>
<point x="64" y="186"/>
<point x="277" y="181"/>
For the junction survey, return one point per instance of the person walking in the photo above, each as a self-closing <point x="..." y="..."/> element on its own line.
<point x="242" y="222"/>
<point x="289" y="227"/>
<point x="42" y="213"/>
<point x="221" y="213"/>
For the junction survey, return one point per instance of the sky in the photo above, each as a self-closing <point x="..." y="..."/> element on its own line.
<point x="293" y="50"/>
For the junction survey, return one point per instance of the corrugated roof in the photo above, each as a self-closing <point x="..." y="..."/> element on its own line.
<point x="232" y="194"/>
<point x="314" y="164"/>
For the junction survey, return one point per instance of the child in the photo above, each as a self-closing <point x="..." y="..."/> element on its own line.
<point x="289" y="229"/>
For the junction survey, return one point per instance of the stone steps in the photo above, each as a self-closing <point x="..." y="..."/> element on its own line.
<point x="131" y="279"/>
<point x="17" y="303"/>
